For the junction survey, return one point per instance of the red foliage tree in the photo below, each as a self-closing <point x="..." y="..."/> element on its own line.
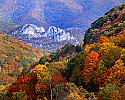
<point x="57" y="78"/>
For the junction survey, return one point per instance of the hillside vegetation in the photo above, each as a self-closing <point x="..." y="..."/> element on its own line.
<point x="98" y="72"/>
<point x="15" y="56"/>
<point x="109" y="25"/>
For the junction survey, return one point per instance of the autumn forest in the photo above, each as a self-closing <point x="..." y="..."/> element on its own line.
<point x="92" y="70"/>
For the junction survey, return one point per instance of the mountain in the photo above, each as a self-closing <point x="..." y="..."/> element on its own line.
<point x="59" y="13"/>
<point x="51" y="40"/>
<point x="7" y="27"/>
<point x="15" y="56"/>
<point x="109" y="25"/>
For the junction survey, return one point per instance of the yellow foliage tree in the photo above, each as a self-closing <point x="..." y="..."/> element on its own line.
<point x="42" y="72"/>
<point x="117" y="73"/>
<point x="59" y="65"/>
<point x="109" y="53"/>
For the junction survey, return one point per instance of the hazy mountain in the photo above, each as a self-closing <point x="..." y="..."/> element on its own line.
<point x="59" y="13"/>
<point x="7" y="27"/>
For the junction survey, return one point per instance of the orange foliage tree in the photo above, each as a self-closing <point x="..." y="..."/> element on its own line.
<point x="103" y="39"/>
<point x="88" y="68"/>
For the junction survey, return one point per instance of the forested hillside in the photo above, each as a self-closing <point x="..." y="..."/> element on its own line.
<point x="15" y="56"/>
<point x="97" y="72"/>
<point x="109" y="25"/>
